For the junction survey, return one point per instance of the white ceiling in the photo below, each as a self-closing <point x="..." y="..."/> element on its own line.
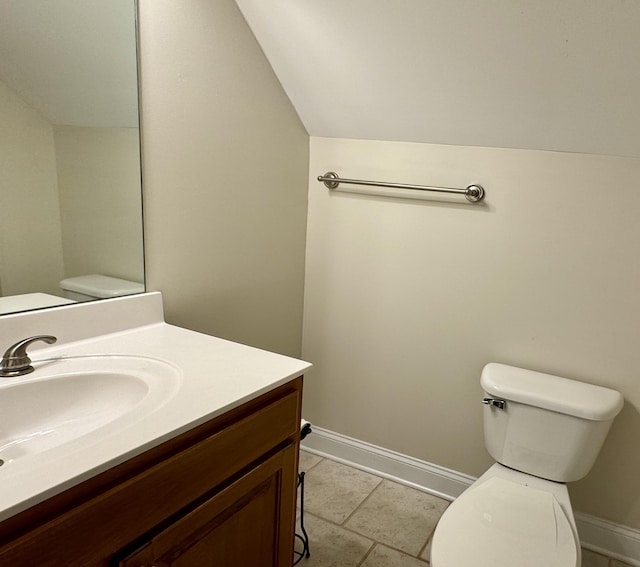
<point x="73" y="60"/>
<point x="548" y="74"/>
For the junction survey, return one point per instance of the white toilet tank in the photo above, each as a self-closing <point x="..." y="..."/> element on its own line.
<point x="549" y="427"/>
<point x="98" y="286"/>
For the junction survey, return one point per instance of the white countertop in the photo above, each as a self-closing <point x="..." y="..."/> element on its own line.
<point x="25" y="301"/>
<point x="216" y="376"/>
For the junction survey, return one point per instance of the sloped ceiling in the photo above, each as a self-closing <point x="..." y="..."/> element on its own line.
<point x="557" y="75"/>
<point x="73" y="60"/>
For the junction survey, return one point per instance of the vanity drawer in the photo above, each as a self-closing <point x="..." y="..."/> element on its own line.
<point x="168" y="479"/>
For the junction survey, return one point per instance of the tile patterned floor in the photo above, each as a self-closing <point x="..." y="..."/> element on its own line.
<point x="357" y="519"/>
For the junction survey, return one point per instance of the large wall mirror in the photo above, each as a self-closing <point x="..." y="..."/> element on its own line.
<point x="70" y="176"/>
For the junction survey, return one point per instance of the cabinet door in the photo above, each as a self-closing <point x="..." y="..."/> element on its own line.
<point x="249" y="523"/>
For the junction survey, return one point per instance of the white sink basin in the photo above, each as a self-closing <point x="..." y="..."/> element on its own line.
<point x="84" y="397"/>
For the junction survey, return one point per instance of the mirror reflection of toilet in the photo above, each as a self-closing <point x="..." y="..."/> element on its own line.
<point x="97" y="286"/>
<point x="543" y="431"/>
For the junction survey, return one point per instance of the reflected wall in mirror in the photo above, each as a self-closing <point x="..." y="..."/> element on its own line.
<point x="70" y="176"/>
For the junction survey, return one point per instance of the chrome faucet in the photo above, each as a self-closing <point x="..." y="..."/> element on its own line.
<point x="16" y="362"/>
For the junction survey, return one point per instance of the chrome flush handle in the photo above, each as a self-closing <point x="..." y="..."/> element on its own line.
<point x="16" y="362"/>
<point x="494" y="402"/>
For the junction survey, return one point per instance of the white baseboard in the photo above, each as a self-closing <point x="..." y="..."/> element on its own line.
<point x="436" y="480"/>
<point x="615" y="540"/>
<point x="598" y="535"/>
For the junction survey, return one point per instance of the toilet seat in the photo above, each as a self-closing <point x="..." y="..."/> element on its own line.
<point x="500" y="523"/>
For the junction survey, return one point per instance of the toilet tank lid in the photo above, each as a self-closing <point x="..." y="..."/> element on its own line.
<point x="549" y="392"/>
<point x="97" y="285"/>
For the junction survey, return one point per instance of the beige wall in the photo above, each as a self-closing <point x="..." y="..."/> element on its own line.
<point x="100" y="201"/>
<point x="30" y="237"/>
<point x="405" y="301"/>
<point x="225" y="164"/>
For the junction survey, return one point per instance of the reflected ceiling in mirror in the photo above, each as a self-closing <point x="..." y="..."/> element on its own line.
<point x="70" y="182"/>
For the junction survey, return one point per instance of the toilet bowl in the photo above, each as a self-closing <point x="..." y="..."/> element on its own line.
<point x="504" y="520"/>
<point x="543" y="431"/>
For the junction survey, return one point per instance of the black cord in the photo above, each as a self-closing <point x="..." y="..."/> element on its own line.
<point x="304" y="538"/>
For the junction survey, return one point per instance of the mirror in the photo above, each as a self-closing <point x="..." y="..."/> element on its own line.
<point x="70" y="176"/>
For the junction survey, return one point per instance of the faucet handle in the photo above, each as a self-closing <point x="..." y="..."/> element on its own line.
<point x="15" y="361"/>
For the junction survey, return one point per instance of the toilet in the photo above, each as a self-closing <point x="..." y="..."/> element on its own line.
<point x="544" y="431"/>
<point x="97" y="286"/>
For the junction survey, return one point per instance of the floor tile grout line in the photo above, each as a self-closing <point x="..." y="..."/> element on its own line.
<point x="343" y="523"/>
<point x="335" y="524"/>
<point x="426" y="544"/>
<point x="363" y="501"/>
<point x="429" y="534"/>
<point x="346" y="529"/>
<point x="368" y="495"/>
<point x="368" y="538"/>
<point x="378" y="543"/>
<point x="366" y="555"/>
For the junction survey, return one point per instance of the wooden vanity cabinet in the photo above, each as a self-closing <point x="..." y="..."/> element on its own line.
<point x="223" y="494"/>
